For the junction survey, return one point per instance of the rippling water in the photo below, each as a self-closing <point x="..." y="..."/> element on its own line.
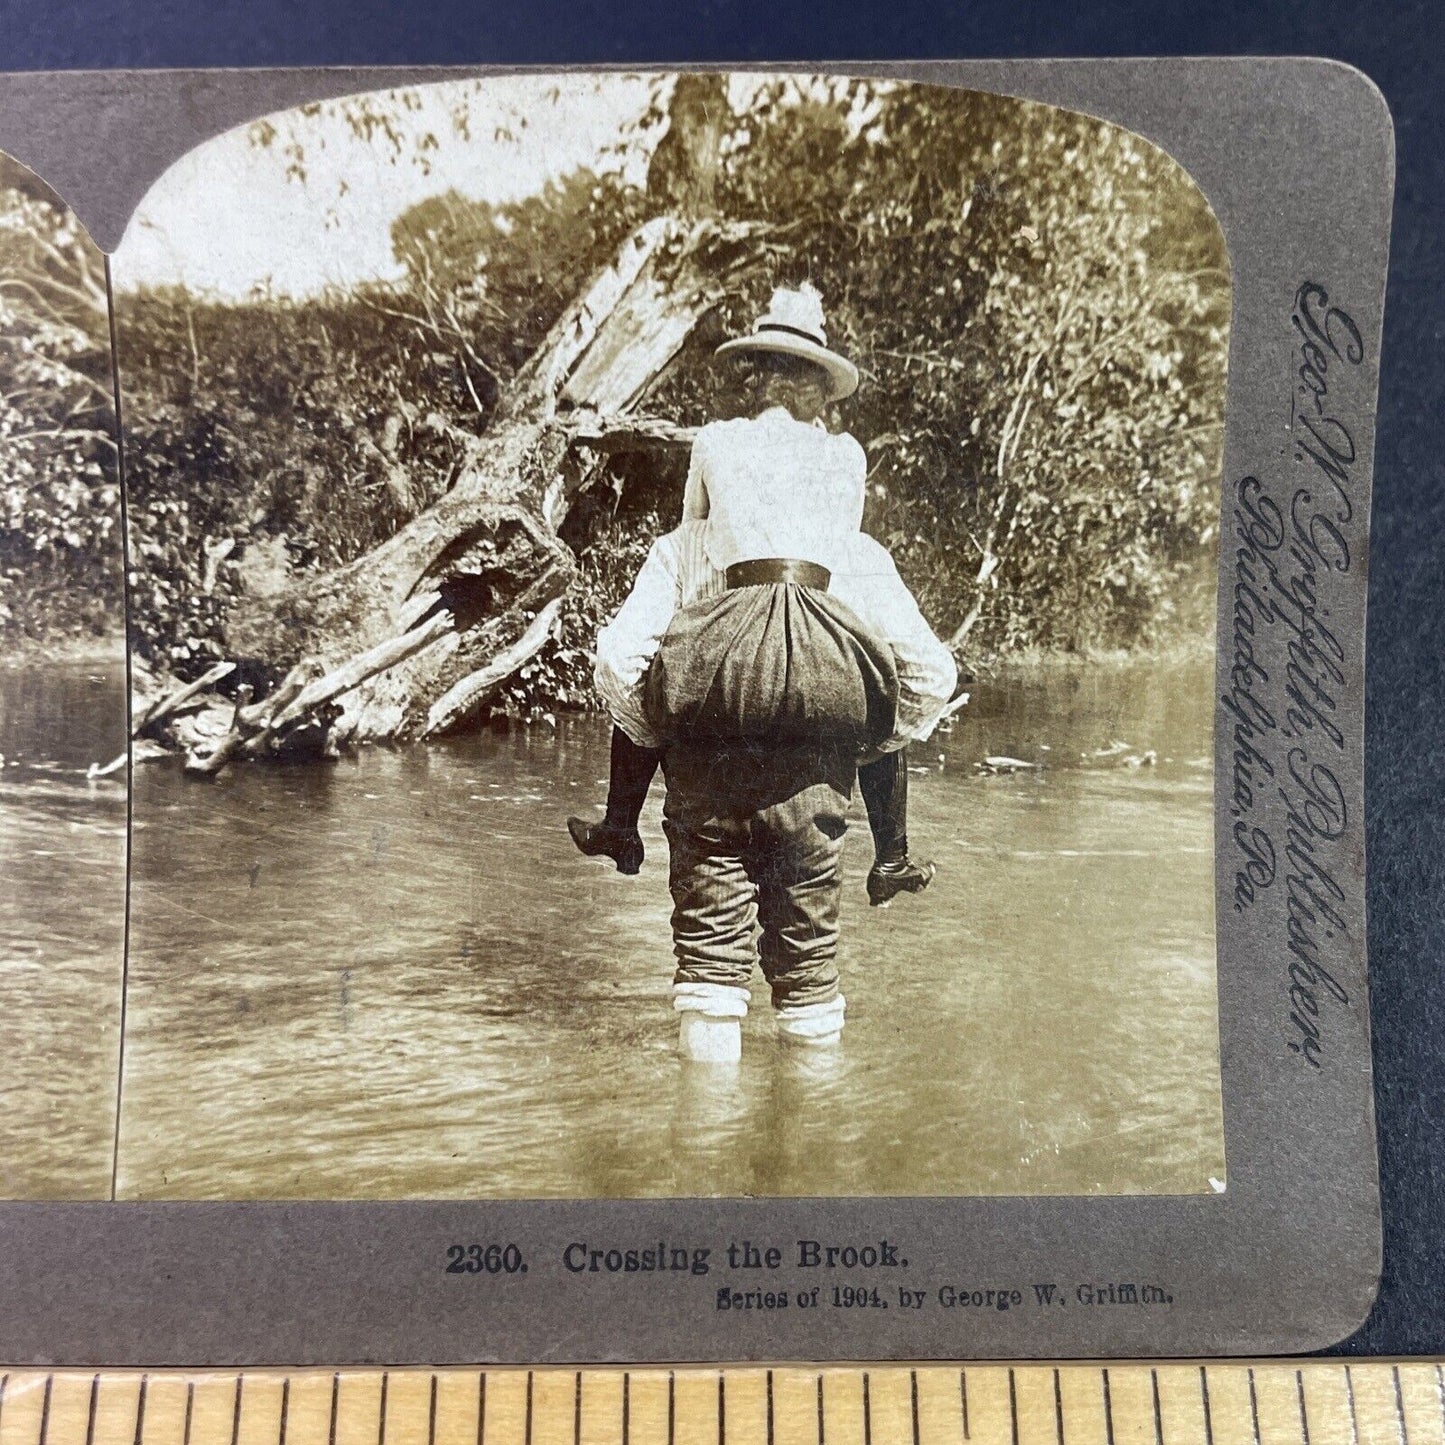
<point x="394" y="976"/>
<point x="62" y="921"/>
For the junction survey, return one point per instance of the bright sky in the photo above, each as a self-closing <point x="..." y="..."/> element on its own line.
<point x="226" y="219"/>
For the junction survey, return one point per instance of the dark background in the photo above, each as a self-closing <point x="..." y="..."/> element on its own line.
<point x="1402" y="47"/>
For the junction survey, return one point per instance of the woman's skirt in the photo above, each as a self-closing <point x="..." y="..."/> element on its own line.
<point x="777" y="664"/>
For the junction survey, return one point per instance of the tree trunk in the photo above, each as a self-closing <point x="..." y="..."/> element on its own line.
<point x="418" y="634"/>
<point x="415" y="637"/>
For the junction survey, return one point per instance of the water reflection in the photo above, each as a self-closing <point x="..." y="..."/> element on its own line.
<point x="394" y="977"/>
<point x="62" y="918"/>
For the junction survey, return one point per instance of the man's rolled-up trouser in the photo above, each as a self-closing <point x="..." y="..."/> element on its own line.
<point x="755" y="836"/>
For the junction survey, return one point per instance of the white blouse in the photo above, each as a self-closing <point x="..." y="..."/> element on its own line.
<point x="773" y="486"/>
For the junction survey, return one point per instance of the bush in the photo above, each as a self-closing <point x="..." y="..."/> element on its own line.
<point x="60" y="549"/>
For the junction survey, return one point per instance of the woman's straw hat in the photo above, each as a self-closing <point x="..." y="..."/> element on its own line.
<point x="793" y="326"/>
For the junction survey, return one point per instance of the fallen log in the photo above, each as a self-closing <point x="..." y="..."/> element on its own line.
<point x="608" y="435"/>
<point x="266" y="728"/>
<point x="358" y="669"/>
<point x="471" y="692"/>
<point x="212" y="762"/>
<point x="168" y="705"/>
<point x="143" y="750"/>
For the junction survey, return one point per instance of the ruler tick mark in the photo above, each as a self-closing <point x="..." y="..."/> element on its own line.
<point x="770" y="1408"/>
<point x="963" y="1400"/>
<point x="90" y="1414"/>
<point x="820" y="1410"/>
<point x="481" y="1407"/>
<point x="140" y="1411"/>
<point x="867" y="1411"/>
<point x="1304" y="1418"/>
<point x="236" y="1412"/>
<point x="1253" y="1406"/>
<point x="913" y="1393"/>
<point x="190" y="1409"/>
<point x="335" y="1400"/>
<point x="45" y="1410"/>
<point x="671" y="1407"/>
<point x="577" y="1409"/>
<point x="1354" y="1419"/>
<point x="381" y="1413"/>
<point x="626" y="1407"/>
<point x="1158" y="1413"/>
<point x="1208" y="1413"/>
<point x="1013" y="1407"/>
<point x="285" y="1410"/>
<point x="722" y="1409"/>
<point x="1058" y="1407"/>
<point x="1399" y="1407"/>
<point x="528" y="1435"/>
<point x="431" y="1414"/>
<point x="1108" y="1411"/>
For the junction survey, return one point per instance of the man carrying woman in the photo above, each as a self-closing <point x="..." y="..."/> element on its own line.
<point x="767" y="654"/>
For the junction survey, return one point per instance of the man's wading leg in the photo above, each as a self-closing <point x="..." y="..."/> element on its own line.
<point x="797" y="848"/>
<point x="714" y="914"/>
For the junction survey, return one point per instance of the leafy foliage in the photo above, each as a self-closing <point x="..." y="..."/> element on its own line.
<point x="60" y="564"/>
<point x="1039" y="302"/>
<point x="491" y="280"/>
<point x="319" y="426"/>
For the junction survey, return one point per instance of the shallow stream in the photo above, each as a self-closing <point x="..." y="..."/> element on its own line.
<point x="393" y="976"/>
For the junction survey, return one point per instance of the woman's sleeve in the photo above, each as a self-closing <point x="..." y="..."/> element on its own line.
<point x="927" y="674"/>
<point x="694" y="496"/>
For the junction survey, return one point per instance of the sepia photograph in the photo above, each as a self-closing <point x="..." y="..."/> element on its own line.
<point x="671" y="633"/>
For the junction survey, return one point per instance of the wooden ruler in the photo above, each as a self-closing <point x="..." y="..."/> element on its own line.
<point x="1309" y="1402"/>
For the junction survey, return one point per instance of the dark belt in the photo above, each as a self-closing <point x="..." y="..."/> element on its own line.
<point x="762" y="570"/>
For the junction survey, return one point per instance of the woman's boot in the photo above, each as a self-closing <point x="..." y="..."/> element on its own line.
<point x="621" y="844"/>
<point x="616" y="837"/>
<point x="884" y="785"/>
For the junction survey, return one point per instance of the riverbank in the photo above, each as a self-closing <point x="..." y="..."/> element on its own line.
<point x="1181" y="651"/>
<point x="107" y="649"/>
